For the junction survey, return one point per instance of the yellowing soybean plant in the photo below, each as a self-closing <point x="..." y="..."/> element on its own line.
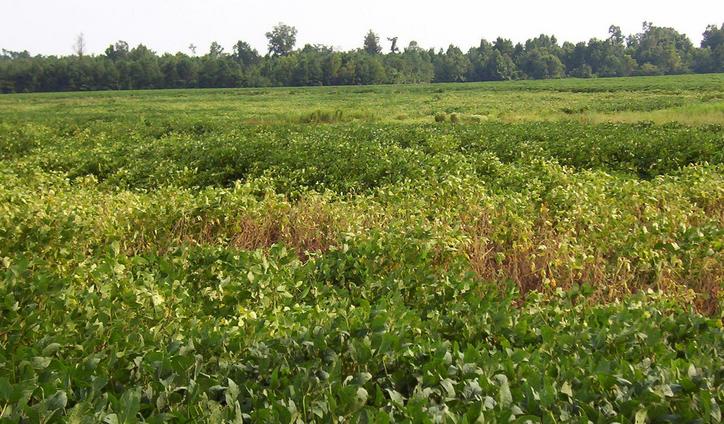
<point x="546" y="251"/>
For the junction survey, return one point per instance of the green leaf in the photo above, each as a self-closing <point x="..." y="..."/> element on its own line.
<point x="58" y="401"/>
<point x="692" y="372"/>
<point x="130" y="404"/>
<point x="51" y="349"/>
<point x="505" y="397"/>
<point x="447" y="384"/>
<point x="360" y="398"/>
<point x="41" y="362"/>
<point x="362" y="378"/>
<point x="111" y="419"/>
<point x="232" y="392"/>
<point x="715" y="411"/>
<point x="396" y="397"/>
<point x="6" y="390"/>
<point x="567" y="389"/>
<point x="641" y="416"/>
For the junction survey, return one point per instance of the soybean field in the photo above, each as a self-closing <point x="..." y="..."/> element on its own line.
<point x="532" y="251"/>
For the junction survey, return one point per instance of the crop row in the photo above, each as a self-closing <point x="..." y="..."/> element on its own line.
<point x="350" y="158"/>
<point x="541" y="225"/>
<point x="212" y="334"/>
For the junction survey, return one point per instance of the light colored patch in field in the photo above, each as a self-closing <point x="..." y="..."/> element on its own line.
<point x="694" y="114"/>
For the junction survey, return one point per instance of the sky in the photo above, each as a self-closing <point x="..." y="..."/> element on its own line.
<point x="51" y="26"/>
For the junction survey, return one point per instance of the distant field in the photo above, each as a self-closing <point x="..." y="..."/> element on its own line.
<point x="533" y="251"/>
<point x="692" y="99"/>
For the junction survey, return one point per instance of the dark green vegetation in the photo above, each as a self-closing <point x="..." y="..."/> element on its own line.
<point x="526" y="251"/>
<point x="653" y="51"/>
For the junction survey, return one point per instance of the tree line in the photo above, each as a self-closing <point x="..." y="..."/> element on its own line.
<point x="653" y="51"/>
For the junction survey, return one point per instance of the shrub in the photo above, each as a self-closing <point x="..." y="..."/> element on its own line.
<point x="322" y="117"/>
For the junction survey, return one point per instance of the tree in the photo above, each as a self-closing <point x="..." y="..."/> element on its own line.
<point x="331" y="65"/>
<point x="187" y="70"/>
<point x="282" y="39"/>
<point x="393" y="45"/>
<point x="169" y="70"/>
<point x="664" y="49"/>
<point x="369" y="70"/>
<point x="713" y="37"/>
<point x="309" y="67"/>
<point x="215" y="50"/>
<point x="143" y="70"/>
<point x="538" y="63"/>
<point x="702" y="61"/>
<point x="478" y="58"/>
<point x="413" y="47"/>
<point x="117" y="51"/>
<point x="710" y="58"/>
<point x="79" y="46"/>
<point x="452" y="66"/>
<point x="605" y="58"/>
<point x="412" y="66"/>
<point x="500" y="67"/>
<point x="244" y="54"/>
<point x="504" y="46"/>
<point x="11" y="55"/>
<point x="372" y="43"/>
<point x="615" y="35"/>
<point x="654" y="51"/>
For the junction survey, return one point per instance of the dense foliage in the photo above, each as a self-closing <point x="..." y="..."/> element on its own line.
<point x="158" y="265"/>
<point x="654" y="51"/>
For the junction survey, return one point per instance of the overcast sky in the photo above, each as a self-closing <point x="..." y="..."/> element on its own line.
<point x="50" y="26"/>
